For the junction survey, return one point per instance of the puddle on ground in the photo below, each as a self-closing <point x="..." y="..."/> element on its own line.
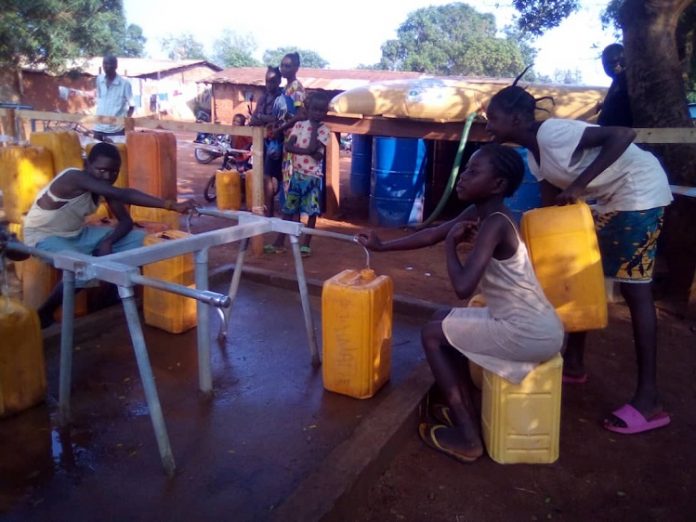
<point x="70" y="451"/>
<point x="33" y="452"/>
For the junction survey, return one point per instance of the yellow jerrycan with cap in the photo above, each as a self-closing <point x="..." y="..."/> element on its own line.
<point x="170" y="312"/>
<point x="228" y="189"/>
<point x="562" y="245"/>
<point x="357" y="332"/>
<point x="22" y="367"/>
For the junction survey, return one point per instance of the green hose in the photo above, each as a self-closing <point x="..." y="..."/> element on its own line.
<point x="453" y="174"/>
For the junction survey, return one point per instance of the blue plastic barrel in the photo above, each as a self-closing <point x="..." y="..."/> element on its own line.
<point x="397" y="183"/>
<point x="528" y="196"/>
<point x="361" y="164"/>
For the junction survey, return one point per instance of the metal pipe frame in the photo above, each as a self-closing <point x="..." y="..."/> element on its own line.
<point x="122" y="269"/>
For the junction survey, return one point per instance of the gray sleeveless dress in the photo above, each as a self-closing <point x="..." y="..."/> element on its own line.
<point x="518" y="328"/>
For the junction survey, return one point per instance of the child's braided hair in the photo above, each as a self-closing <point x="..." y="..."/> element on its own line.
<point x="517" y="99"/>
<point x="507" y="164"/>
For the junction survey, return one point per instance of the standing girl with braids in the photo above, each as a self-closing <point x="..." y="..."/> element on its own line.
<point x="517" y="329"/>
<point x="575" y="160"/>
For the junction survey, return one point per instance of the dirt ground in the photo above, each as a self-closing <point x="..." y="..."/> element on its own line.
<point x="599" y="476"/>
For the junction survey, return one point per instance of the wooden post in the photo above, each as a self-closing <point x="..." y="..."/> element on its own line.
<point x="333" y="176"/>
<point x="8" y="123"/>
<point x="255" y="200"/>
<point x="129" y="124"/>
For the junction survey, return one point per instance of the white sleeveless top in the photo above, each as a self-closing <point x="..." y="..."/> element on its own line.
<point x="517" y="329"/>
<point x="66" y="221"/>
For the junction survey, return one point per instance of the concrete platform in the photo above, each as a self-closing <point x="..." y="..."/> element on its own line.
<point x="269" y="444"/>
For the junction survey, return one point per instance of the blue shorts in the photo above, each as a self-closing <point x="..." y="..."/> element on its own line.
<point x="88" y="239"/>
<point x="628" y="243"/>
<point x="303" y="197"/>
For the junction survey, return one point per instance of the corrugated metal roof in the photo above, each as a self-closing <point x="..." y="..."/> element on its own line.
<point x="327" y="79"/>
<point x="131" y="67"/>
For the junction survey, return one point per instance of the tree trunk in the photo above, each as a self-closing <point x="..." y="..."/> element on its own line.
<point x="658" y="97"/>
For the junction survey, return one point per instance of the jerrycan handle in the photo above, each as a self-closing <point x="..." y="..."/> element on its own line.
<point x="367" y="252"/>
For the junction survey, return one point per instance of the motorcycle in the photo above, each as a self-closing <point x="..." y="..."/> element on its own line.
<point x="212" y="145"/>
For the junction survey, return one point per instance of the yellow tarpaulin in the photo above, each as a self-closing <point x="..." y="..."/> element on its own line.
<point x="442" y="100"/>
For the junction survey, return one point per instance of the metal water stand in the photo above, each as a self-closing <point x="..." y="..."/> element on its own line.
<point x="123" y="270"/>
<point x="294" y="230"/>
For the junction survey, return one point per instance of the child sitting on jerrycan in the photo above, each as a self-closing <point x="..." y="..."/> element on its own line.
<point x="518" y="328"/>
<point x="56" y="220"/>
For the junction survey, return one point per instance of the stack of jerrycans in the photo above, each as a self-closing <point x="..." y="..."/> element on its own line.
<point x="357" y="332"/>
<point x="152" y="169"/>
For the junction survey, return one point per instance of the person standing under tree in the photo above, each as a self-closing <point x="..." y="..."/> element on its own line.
<point x="616" y="108"/>
<point x="114" y="96"/>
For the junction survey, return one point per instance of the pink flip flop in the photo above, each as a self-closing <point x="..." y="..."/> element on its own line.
<point x="575" y="379"/>
<point x="635" y="422"/>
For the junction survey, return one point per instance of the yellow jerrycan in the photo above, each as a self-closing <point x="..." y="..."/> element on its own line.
<point x="563" y="248"/>
<point x="24" y="171"/>
<point x="521" y="423"/>
<point x="228" y="189"/>
<point x="357" y="332"/>
<point x="64" y="146"/>
<point x="22" y="367"/>
<point x="143" y="215"/>
<point x="165" y="310"/>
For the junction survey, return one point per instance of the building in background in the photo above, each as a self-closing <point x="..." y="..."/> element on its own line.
<point x="166" y="88"/>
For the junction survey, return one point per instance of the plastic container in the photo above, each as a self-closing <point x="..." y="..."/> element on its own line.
<point x="142" y="215"/>
<point x="228" y="189"/>
<point x="360" y="165"/>
<point x="24" y="171"/>
<point x="528" y="195"/>
<point x="152" y="163"/>
<point x="397" y="185"/>
<point x="563" y="248"/>
<point x="165" y="310"/>
<point x="38" y="281"/>
<point x="521" y="422"/>
<point x="64" y="146"/>
<point x="22" y="367"/>
<point x="357" y="332"/>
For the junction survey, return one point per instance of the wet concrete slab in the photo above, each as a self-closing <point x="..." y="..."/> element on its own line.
<point x="261" y="438"/>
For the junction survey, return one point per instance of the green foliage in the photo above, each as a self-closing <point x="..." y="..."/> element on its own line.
<point x="234" y="50"/>
<point x="536" y="16"/>
<point x="308" y="58"/>
<point x="452" y="39"/>
<point x="53" y="32"/>
<point x="183" y="47"/>
<point x="133" y="42"/>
